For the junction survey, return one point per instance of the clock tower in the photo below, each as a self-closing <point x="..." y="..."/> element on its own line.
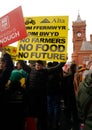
<point x="79" y="35"/>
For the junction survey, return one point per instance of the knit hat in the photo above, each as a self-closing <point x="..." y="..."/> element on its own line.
<point x="81" y="69"/>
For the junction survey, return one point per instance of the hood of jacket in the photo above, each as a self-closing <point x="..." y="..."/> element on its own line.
<point x="87" y="83"/>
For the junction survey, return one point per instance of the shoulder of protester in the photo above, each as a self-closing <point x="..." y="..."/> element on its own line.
<point x="62" y="64"/>
<point x="66" y="74"/>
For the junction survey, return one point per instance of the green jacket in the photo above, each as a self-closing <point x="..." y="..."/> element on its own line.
<point x="16" y="75"/>
<point x="84" y="98"/>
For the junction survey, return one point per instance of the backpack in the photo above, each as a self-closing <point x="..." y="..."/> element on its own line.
<point x="16" y="93"/>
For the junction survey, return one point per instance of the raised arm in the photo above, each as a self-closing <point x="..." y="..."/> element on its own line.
<point x="56" y="68"/>
<point x="7" y="57"/>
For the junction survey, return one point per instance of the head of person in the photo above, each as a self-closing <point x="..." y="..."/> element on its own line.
<point x="55" y="63"/>
<point x="50" y="64"/>
<point x="88" y="78"/>
<point x="73" y="67"/>
<point x="21" y="64"/>
<point x="2" y="64"/>
<point x="39" y="65"/>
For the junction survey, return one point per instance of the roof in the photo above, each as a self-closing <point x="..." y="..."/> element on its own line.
<point x="86" y="45"/>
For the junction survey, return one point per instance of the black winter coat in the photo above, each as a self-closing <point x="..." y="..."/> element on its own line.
<point x="5" y="74"/>
<point x="38" y="78"/>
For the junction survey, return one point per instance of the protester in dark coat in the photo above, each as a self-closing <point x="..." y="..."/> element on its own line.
<point x="84" y="101"/>
<point x="37" y="93"/>
<point x="6" y="68"/>
<point x="53" y="98"/>
<point x="71" y="113"/>
<point x="16" y="87"/>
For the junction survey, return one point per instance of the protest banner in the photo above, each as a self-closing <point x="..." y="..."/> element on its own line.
<point x="12" y="27"/>
<point x="47" y="39"/>
<point x="12" y="51"/>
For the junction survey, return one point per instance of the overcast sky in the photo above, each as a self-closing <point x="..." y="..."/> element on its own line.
<point x="54" y="8"/>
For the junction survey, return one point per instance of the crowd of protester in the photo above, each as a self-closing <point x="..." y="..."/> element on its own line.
<point x="44" y="97"/>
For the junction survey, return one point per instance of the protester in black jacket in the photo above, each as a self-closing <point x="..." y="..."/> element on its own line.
<point x="37" y="93"/>
<point x="6" y="68"/>
<point x="71" y="113"/>
<point x="54" y="93"/>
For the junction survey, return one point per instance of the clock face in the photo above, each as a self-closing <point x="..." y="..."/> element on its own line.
<point x="79" y="34"/>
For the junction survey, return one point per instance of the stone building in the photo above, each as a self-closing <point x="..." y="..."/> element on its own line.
<point x="82" y="49"/>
